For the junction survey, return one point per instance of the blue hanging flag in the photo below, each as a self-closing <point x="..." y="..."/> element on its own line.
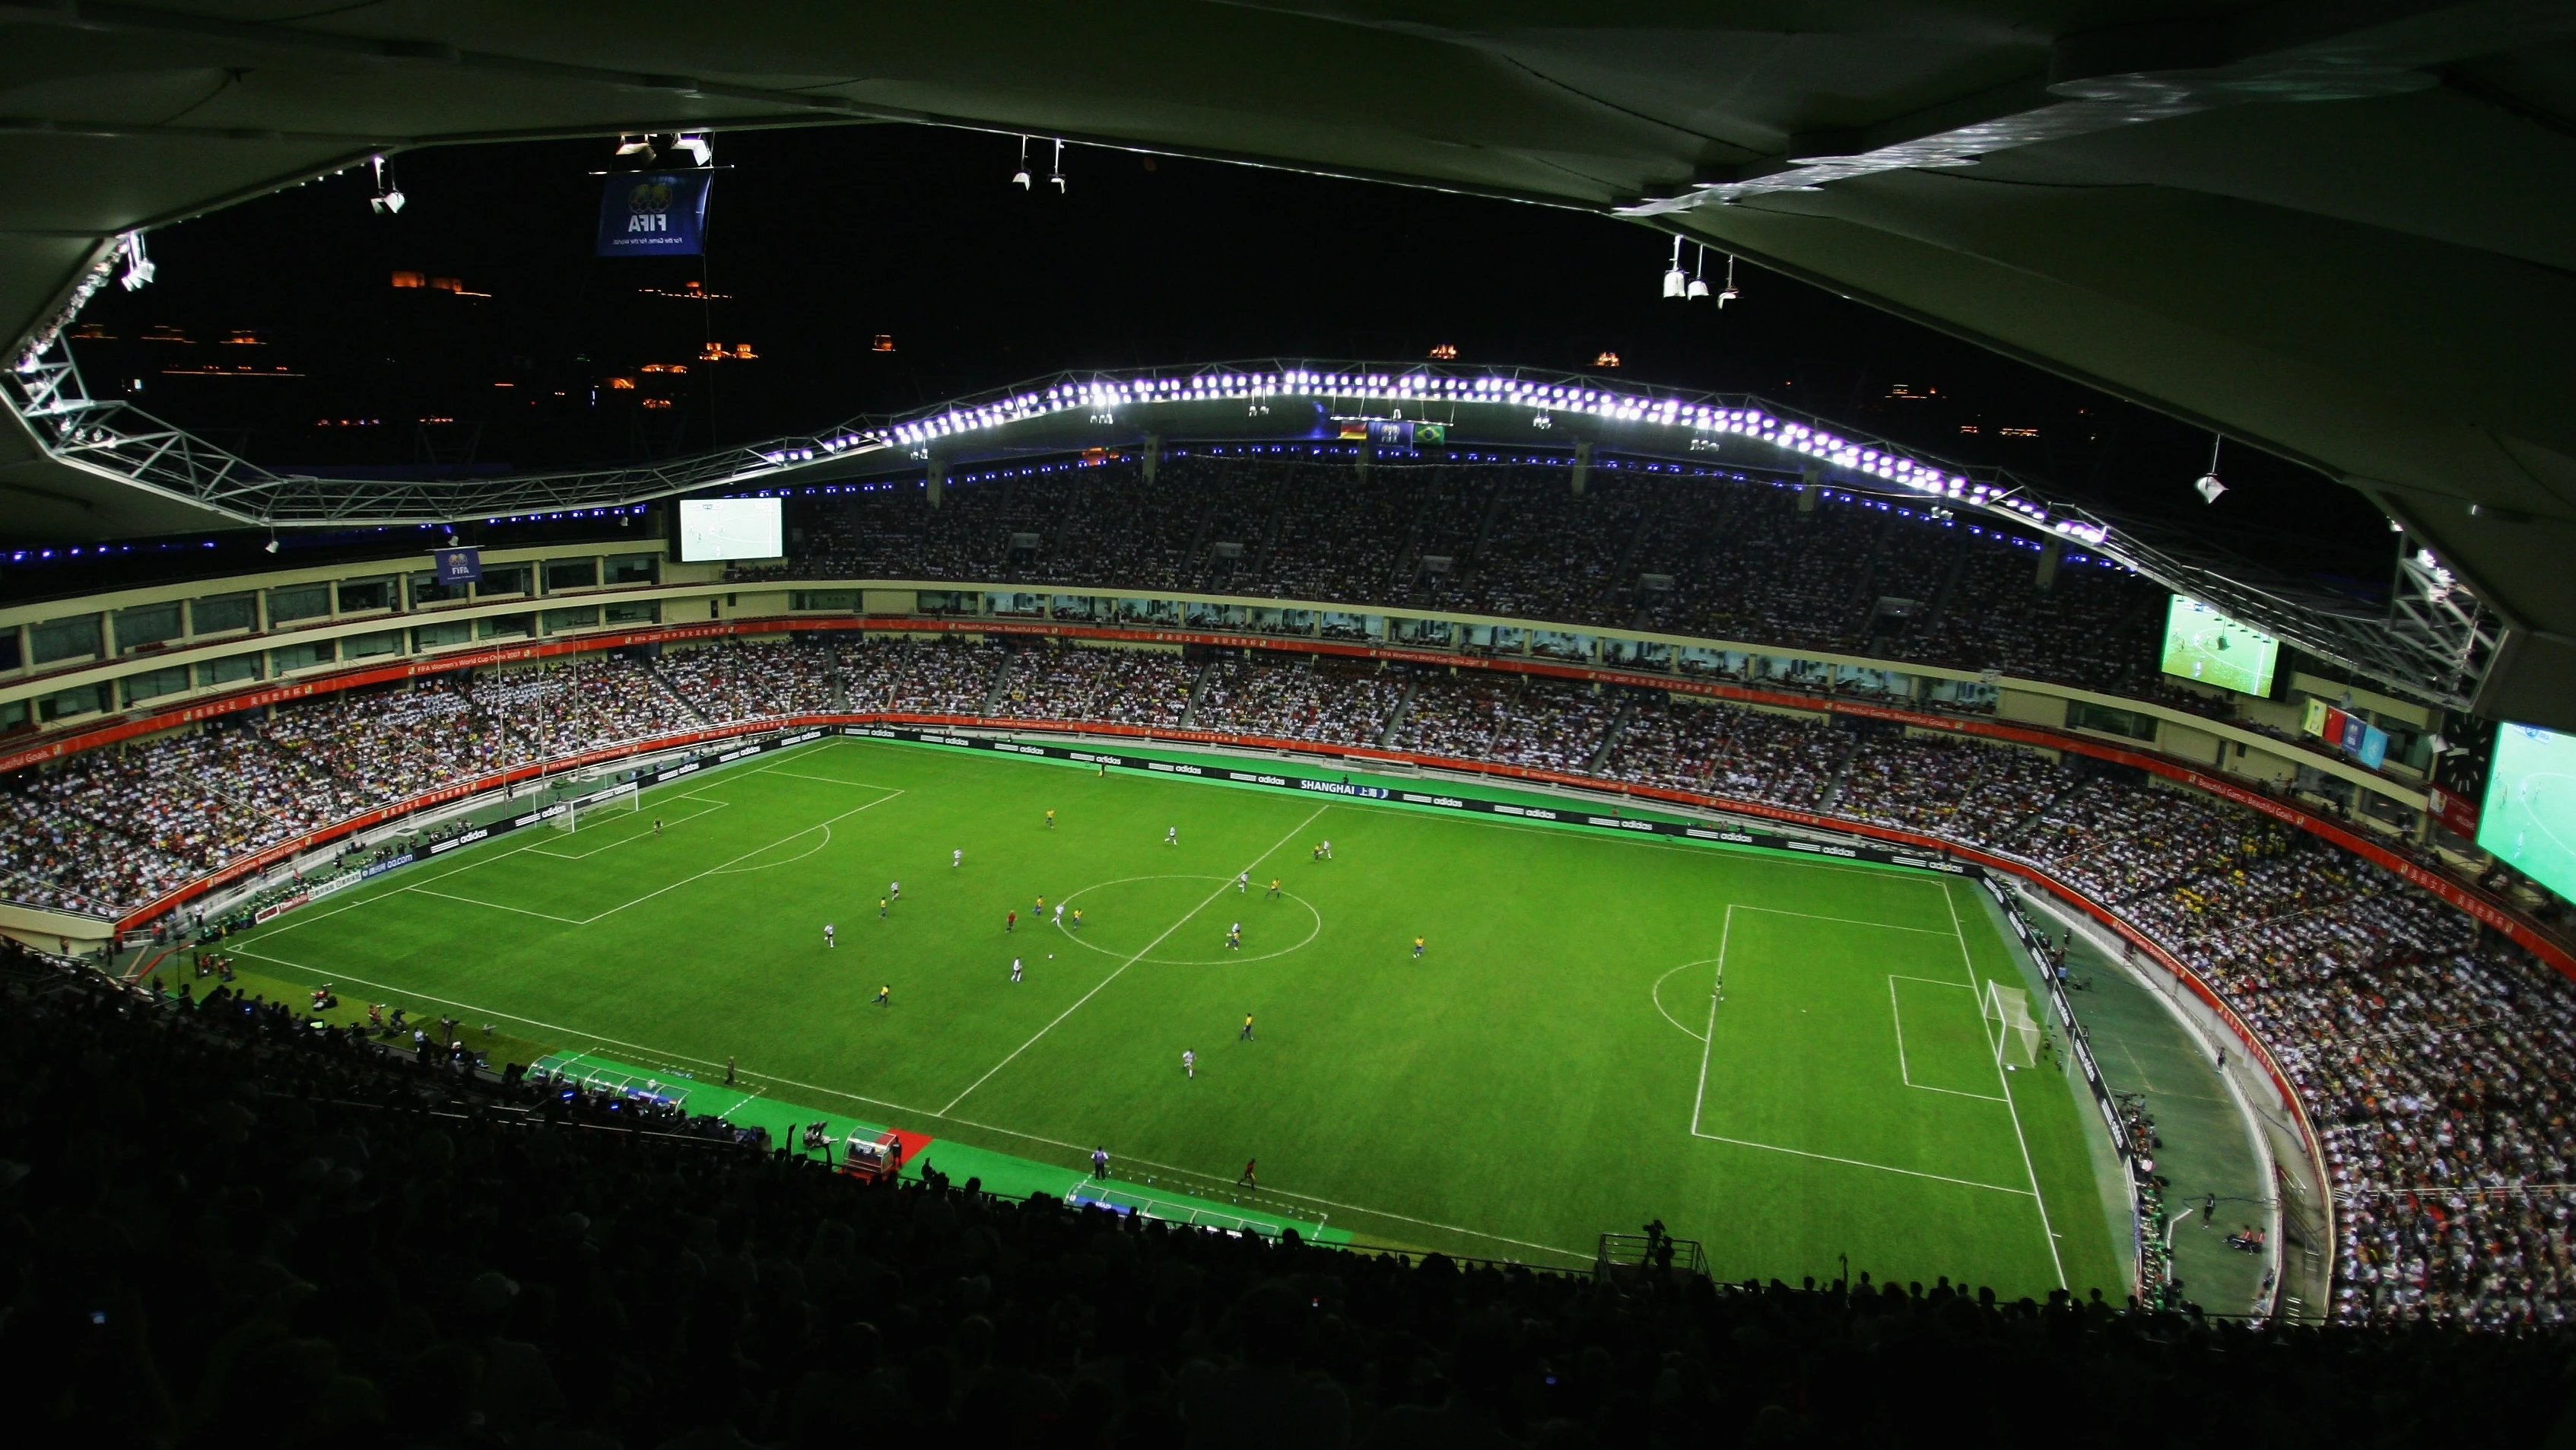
<point x="654" y="214"/>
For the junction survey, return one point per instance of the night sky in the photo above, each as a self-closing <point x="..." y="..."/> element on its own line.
<point x="821" y="240"/>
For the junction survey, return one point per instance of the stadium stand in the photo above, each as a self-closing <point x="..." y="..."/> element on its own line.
<point x="1751" y="560"/>
<point x="2433" y="1059"/>
<point x="227" y="1227"/>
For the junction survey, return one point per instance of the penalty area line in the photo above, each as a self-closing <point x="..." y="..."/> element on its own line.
<point x="1864" y="1163"/>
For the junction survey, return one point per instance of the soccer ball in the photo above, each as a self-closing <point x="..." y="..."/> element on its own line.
<point x="1050" y="956"/>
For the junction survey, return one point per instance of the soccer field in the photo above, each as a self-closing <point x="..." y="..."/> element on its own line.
<point x="1783" y="1058"/>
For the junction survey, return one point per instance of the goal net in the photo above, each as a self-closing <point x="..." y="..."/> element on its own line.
<point x="2017" y="1040"/>
<point x="577" y="814"/>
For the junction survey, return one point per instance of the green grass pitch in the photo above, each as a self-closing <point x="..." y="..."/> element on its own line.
<point x="1560" y="1062"/>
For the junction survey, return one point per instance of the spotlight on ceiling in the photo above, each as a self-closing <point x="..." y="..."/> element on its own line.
<point x="1020" y="178"/>
<point x="2207" y="484"/>
<point x="272" y="544"/>
<point x="701" y="150"/>
<point x="1676" y="281"/>
<point x="138" y="267"/>
<point x="388" y="199"/>
<point x="1730" y="294"/>
<point x="638" y="146"/>
<point x="1055" y="173"/>
<point x="1698" y="283"/>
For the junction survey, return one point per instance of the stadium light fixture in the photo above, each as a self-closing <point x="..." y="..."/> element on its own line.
<point x="1730" y="294"/>
<point x="388" y="199"/>
<point x="636" y="146"/>
<point x="2207" y="484"/>
<point x="1698" y="283"/>
<point x="701" y="150"/>
<point x="138" y="267"/>
<point x="1676" y="281"/>
<point x="1055" y="172"/>
<point x="1020" y="178"/>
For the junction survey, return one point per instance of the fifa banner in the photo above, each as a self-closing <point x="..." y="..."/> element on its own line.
<point x="2076" y="1040"/>
<point x="1566" y="815"/>
<point x="654" y="214"/>
<point x="458" y="566"/>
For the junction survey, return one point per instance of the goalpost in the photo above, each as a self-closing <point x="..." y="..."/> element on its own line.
<point x="2017" y="1044"/>
<point x="577" y="814"/>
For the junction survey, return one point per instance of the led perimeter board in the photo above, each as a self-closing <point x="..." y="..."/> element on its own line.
<point x="2529" y="820"/>
<point x="2205" y="645"/>
<point x="730" y="528"/>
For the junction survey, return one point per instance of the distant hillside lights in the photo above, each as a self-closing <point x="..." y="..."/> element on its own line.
<point x="407" y="281"/>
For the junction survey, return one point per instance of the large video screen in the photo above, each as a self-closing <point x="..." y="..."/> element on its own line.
<point x="730" y="528"/>
<point x="2205" y="645"/>
<point x="2529" y="820"/>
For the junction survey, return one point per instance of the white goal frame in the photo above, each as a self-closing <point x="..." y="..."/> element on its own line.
<point x="576" y="812"/>
<point x="2017" y="1037"/>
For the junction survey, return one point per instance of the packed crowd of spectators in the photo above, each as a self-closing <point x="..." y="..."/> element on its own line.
<point x="2438" y="1065"/>
<point x="225" y="1228"/>
<point x="1507" y="719"/>
<point x="1748" y="559"/>
<point x="1309" y="697"/>
<point x="1109" y="686"/>
<point x="1686" y="744"/>
<point x="731" y="681"/>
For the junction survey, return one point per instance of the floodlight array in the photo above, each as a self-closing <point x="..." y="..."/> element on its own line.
<point x="1097" y="396"/>
<point x="2433" y="644"/>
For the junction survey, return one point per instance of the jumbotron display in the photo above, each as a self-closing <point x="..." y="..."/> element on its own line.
<point x="2204" y="645"/>
<point x="730" y="528"/>
<point x="2529" y="819"/>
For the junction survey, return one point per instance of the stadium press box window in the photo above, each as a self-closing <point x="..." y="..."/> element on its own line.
<point x="153" y="684"/>
<point x="79" y="700"/>
<point x="223" y="614"/>
<point x="367" y="596"/>
<point x="146" y="624"/>
<point x="228" y="670"/>
<point x="64" y="639"/>
<point x="299" y="601"/>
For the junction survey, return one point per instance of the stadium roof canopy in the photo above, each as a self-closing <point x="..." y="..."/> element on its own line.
<point x="2344" y="231"/>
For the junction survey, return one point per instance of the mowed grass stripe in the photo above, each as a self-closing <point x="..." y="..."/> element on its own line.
<point x="1518" y="1081"/>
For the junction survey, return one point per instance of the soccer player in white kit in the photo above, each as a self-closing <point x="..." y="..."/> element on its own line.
<point x="1171" y="835"/>
<point x="1059" y="913"/>
<point x="1015" y="969"/>
<point x="957" y="857"/>
<point x="1242" y="882"/>
<point x="894" y="890"/>
<point x="1189" y="1063"/>
<point x="828" y="939"/>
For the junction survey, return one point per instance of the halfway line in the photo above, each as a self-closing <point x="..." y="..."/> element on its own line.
<point x="1131" y="961"/>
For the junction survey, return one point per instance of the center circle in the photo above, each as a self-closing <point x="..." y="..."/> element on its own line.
<point x="1123" y="917"/>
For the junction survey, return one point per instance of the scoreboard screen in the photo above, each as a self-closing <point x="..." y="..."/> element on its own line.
<point x="2205" y="645"/>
